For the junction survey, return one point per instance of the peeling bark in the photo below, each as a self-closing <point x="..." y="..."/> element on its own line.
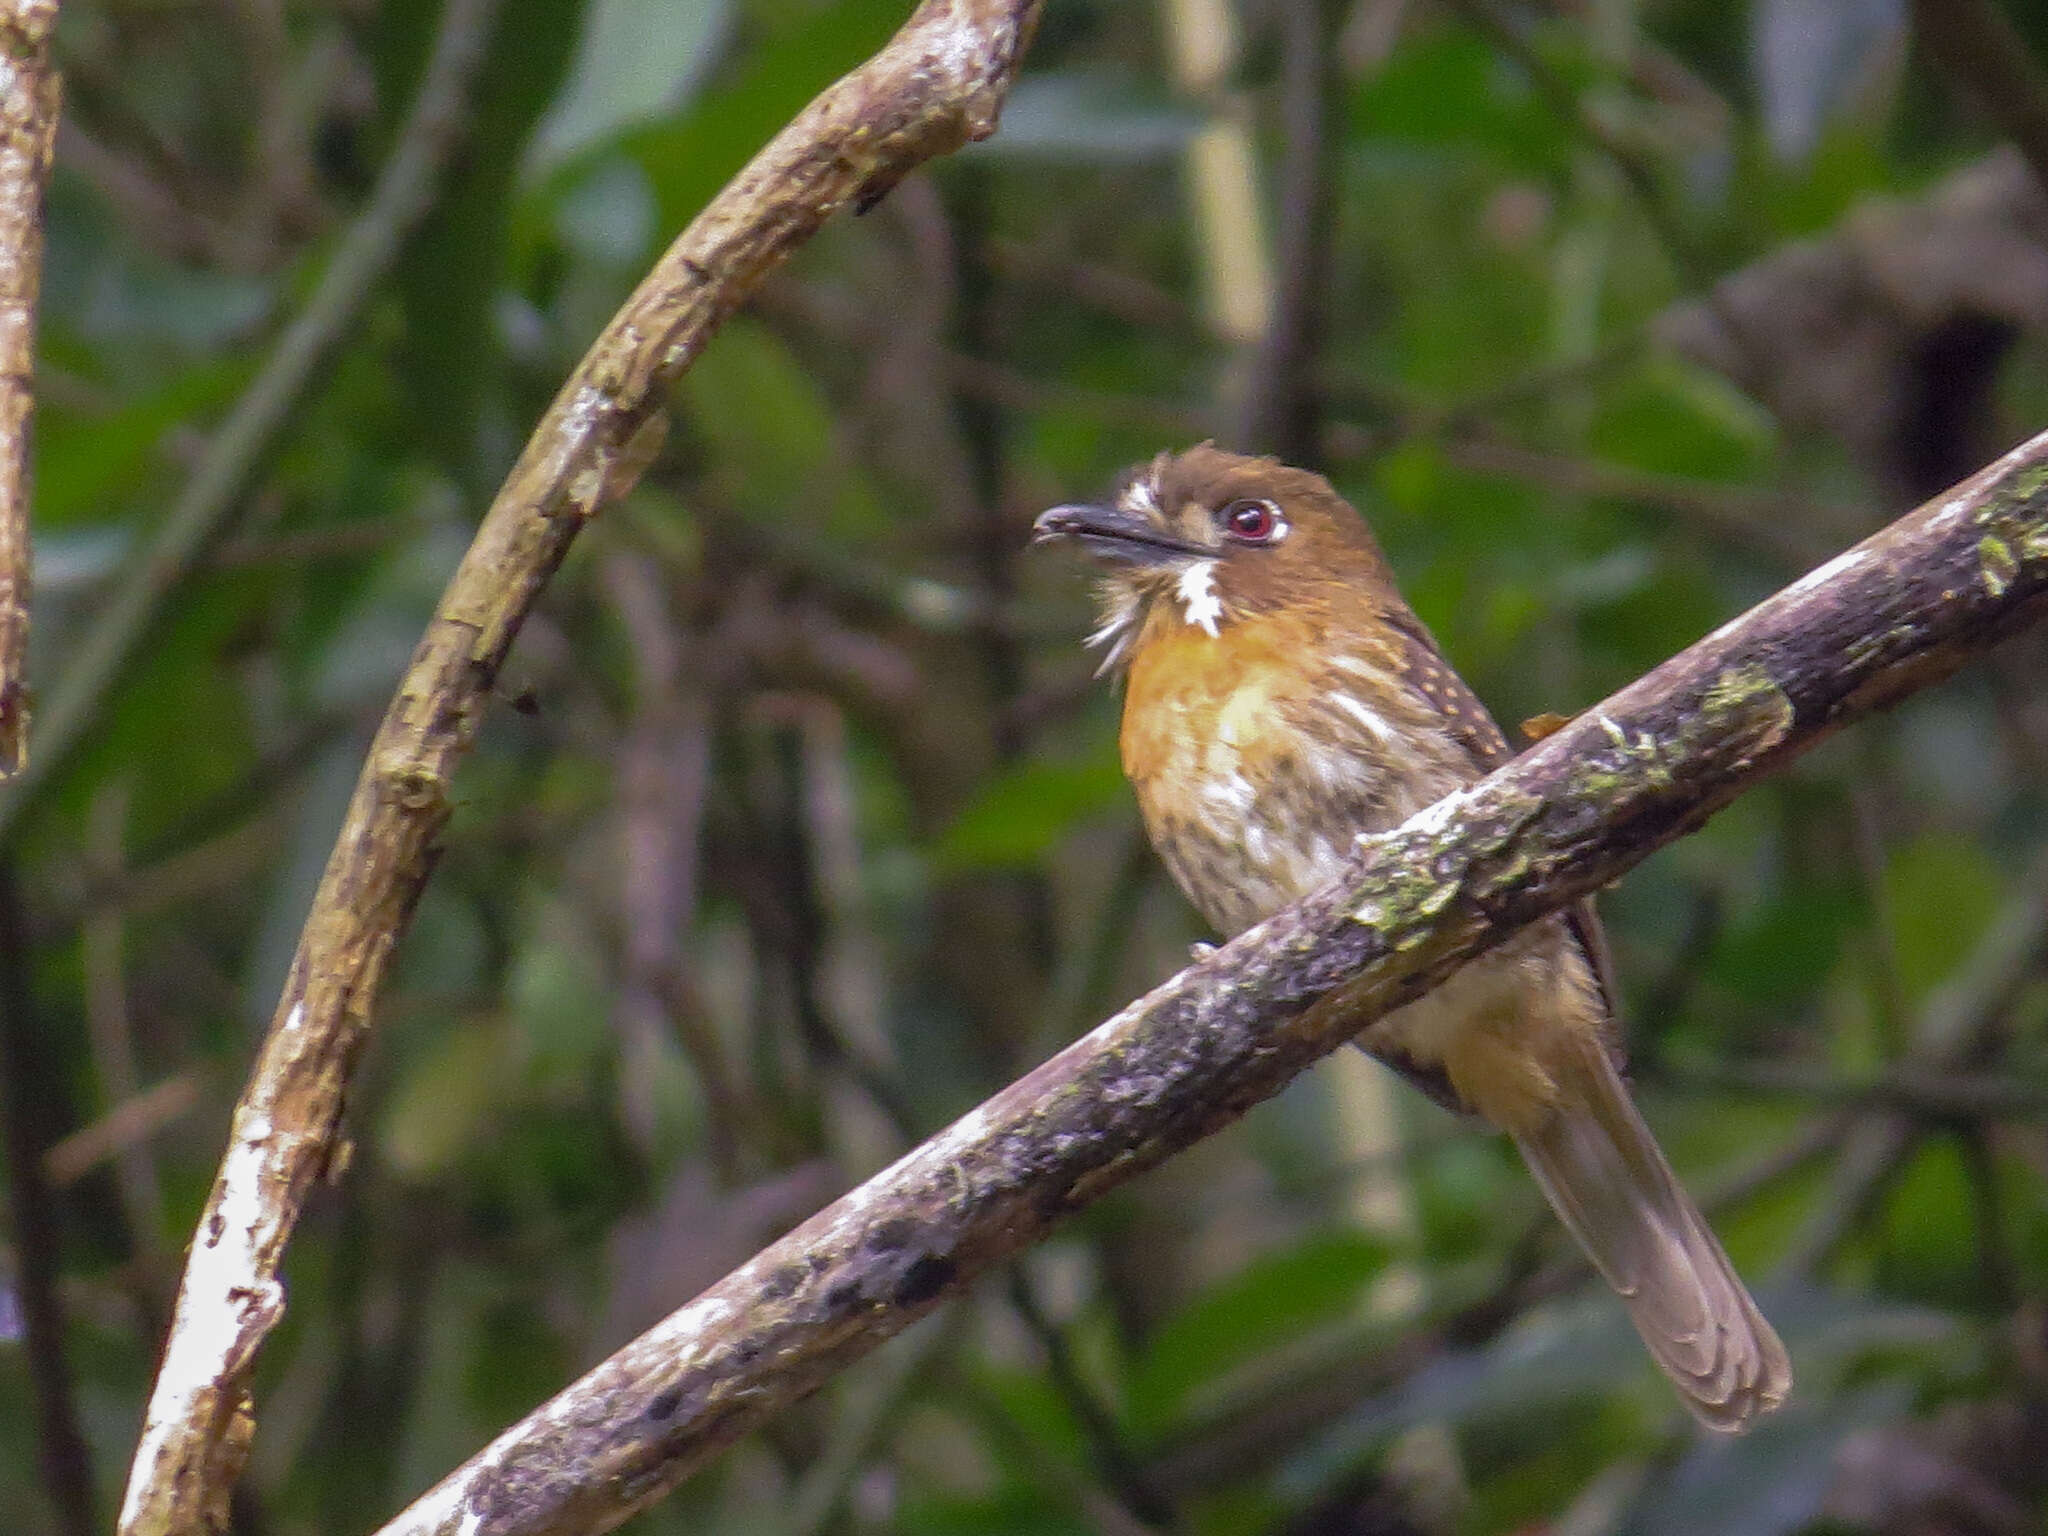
<point x="937" y="85"/>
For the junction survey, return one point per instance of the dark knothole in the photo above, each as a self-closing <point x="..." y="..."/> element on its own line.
<point x="927" y="1277"/>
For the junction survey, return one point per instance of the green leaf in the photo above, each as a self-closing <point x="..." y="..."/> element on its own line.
<point x="560" y="995"/>
<point x="1019" y="815"/>
<point x="1679" y="420"/>
<point x="691" y="157"/>
<point x="1781" y="950"/>
<point x="1769" y="1483"/>
<point x="1452" y="89"/>
<point x="174" y="725"/>
<point x="454" y="268"/>
<point x="445" y="1099"/>
<point x="1931" y="1247"/>
<point x="1271" y="1301"/>
<point x="1091" y="116"/>
<point x="1943" y="892"/>
<point x="89" y="465"/>
<point x="1015" y="1509"/>
<point x="769" y="428"/>
<point x="634" y="61"/>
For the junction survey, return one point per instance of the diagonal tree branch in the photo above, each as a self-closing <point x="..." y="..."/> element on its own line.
<point x="1901" y="610"/>
<point x="938" y="84"/>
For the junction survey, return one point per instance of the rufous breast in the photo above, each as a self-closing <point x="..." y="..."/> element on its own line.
<point x="1256" y="761"/>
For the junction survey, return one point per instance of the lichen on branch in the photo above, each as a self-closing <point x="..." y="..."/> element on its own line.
<point x="1588" y="802"/>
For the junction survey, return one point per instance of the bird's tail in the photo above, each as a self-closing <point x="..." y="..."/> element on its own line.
<point x="1609" y="1183"/>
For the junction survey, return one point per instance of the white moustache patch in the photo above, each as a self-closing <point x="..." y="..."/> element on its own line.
<point x="1198" y="599"/>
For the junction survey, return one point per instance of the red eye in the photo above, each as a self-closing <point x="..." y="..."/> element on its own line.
<point x="1254" y="522"/>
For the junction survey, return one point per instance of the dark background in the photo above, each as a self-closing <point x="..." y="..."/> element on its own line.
<point x="797" y="827"/>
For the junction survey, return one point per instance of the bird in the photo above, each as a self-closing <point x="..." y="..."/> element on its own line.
<point x="1280" y="699"/>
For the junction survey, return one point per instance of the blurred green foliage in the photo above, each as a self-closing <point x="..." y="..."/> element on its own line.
<point x="797" y="830"/>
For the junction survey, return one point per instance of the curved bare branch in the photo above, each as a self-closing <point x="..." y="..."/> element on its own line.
<point x="938" y="84"/>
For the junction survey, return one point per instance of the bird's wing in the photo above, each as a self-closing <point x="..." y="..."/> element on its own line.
<point x="1424" y="669"/>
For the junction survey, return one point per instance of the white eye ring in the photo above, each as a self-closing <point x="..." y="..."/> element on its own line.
<point x="1252" y="520"/>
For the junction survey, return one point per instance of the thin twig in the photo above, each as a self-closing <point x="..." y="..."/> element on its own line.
<point x="1250" y="1432"/>
<point x="938" y="84"/>
<point x="1076" y="988"/>
<point x="202" y="857"/>
<point x="1282" y="409"/>
<point x="1635" y="169"/>
<point x="1784" y="530"/>
<point x="1115" y="1465"/>
<point x="1995" y="1268"/>
<point x="1925" y="1092"/>
<point x="792" y="910"/>
<point x="267" y="408"/>
<point x="1124" y="296"/>
<point x="135" y="192"/>
<point x="196" y="1433"/>
<point x="281" y="172"/>
<point x="1056" y="1476"/>
<point x="29" y="1101"/>
<point x="869" y="1414"/>
<point x="332" y="541"/>
<point x="1952" y="1028"/>
<point x="980" y="442"/>
<point x="1350" y="390"/>
<point x="1007" y="386"/>
<point x="1888" y="996"/>
<point x="29" y="96"/>
<point x="664" y="765"/>
<point x="102" y="945"/>
<point x="1975" y="43"/>
<point x="1900" y="611"/>
<point x="127" y="1124"/>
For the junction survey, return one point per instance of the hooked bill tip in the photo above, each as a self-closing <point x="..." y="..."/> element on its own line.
<point x="1057" y="523"/>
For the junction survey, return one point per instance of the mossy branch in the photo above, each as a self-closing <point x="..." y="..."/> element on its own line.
<point x="1899" y="611"/>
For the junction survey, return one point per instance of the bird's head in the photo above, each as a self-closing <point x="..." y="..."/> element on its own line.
<point x="1205" y="540"/>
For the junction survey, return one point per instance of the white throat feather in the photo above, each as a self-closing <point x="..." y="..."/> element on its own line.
<point x="1198" y="599"/>
<point x="1118" y="631"/>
